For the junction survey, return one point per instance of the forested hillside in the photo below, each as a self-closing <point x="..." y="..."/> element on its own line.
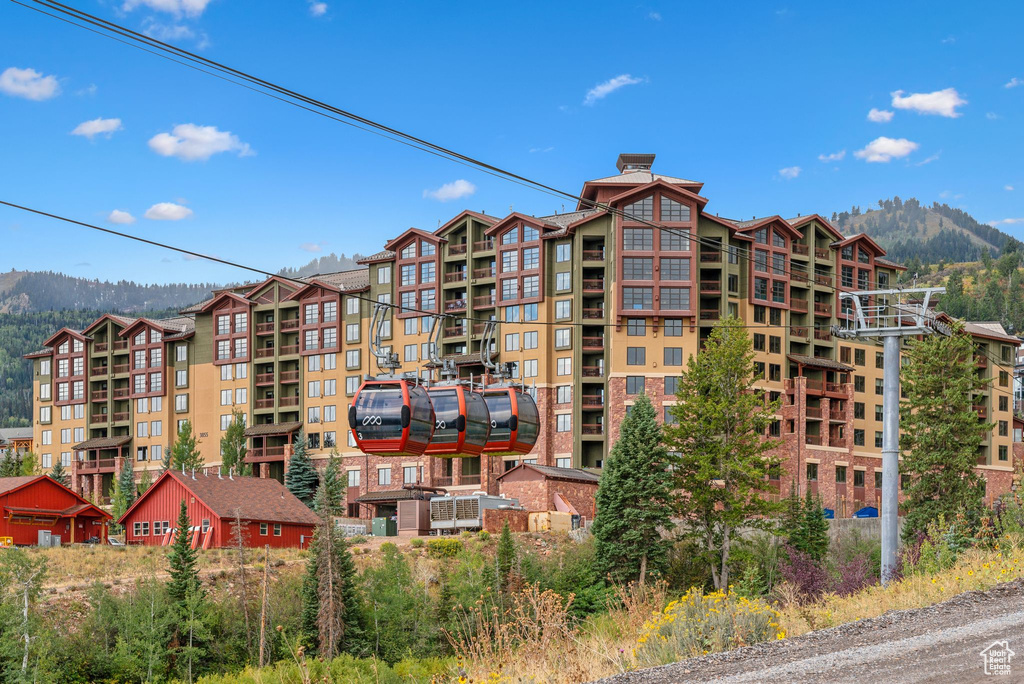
<point x="36" y="291"/>
<point x="908" y="230"/>
<point x="325" y="264"/>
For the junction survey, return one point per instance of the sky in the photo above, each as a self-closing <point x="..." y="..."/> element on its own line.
<point x="780" y="108"/>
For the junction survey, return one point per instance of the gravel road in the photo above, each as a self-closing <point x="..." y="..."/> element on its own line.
<point x="941" y="643"/>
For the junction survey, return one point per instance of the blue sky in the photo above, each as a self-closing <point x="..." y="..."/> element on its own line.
<point x="747" y="99"/>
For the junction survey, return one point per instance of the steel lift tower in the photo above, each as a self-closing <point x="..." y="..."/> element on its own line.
<point x="890" y="315"/>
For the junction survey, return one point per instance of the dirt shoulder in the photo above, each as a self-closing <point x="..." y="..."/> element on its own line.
<point x="940" y="643"/>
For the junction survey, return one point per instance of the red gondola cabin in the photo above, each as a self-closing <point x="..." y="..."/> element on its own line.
<point x="37" y="503"/>
<point x="274" y="516"/>
<point x="391" y="417"/>
<point x="461" y="421"/>
<point x="515" y="421"/>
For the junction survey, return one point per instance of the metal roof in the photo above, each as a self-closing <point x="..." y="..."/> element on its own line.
<point x="102" y="443"/>
<point x="273" y="429"/>
<point x="384" y="255"/>
<point x="553" y="473"/>
<point x="255" y="498"/>
<point x="353" y="279"/>
<point x="819" y="362"/>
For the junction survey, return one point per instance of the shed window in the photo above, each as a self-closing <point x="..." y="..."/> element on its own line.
<point x="140" y="529"/>
<point x="277" y="529"/>
<point x="206" y="525"/>
<point x="263" y="529"/>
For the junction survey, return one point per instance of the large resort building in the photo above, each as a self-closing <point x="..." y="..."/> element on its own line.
<point x="595" y="308"/>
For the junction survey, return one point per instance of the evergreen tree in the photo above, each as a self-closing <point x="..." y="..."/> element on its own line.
<point x="232" y="447"/>
<point x="941" y="431"/>
<point x="29" y="464"/>
<point x="334" y="489"/>
<point x="10" y="464"/>
<point x="125" y="492"/>
<point x="634" y="501"/>
<point x="183" y="561"/>
<point x="60" y="474"/>
<point x="185" y="451"/>
<point x="332" y="618"/>
<point x="506" y="560"/>
<point x="719" y="431"/>
<point x="145" y="482"/>
<point x="301" y="478"/>
<point x="811" y="534"/>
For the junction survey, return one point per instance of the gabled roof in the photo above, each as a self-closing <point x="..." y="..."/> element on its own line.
<point x="168" y="326"/>
<point x="385" y="255"/>
<point x="663" y="185"/>
<point x="49" y="341"/>
<point x="861" y="237"/>
<point x="992" y="330"/>
<point x="393" y="495"/>
<point x="102" y="443"/>
<point x="13" y="484"/>
<point x="801" y="220"/>
<point x="7" y="434"/>
<point x="537" y="221"/>
<point x="353" y="280"/>
<point x="120" y="320"/>
<point x="569" y="222"/>
<point x="553" y="473"/>
<point x="212" y="302"/>
<point x="754" y="224"/>
<point x="888" y="263"/>
<point x="256" y="499"/>
<point x="413" y="232"/>
<point x="45" y="351"/>
<point x="466" y="213"/>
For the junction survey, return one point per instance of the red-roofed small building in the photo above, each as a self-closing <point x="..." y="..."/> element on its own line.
<point x="274" y="515"/>
<point x="34" y="503"/>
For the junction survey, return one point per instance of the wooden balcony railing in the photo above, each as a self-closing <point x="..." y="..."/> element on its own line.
<point x="100" y="395"/>
<point x="981" y="410"/>
<point x="288" y="401"/>
<point x="100" y="347"/>
<point x="711" y="286"/>
<point x="820" y="253"/>
<point x="264" y="403"/>
<point x="467" y="479"/>
<point x="455" y="305"/>
<point x="822" y="309"/>
<point x="287" y="349"/>
<point x="592" y="429"/>
<point x="264" y="352"/>
<point x="837" y="414"/>
<point x="120" y="416"/>
<point x="593" y="284"/>
<point x="271" y="453"/>
<point x="800" y="249"/>
<point x="980" y="361"/>
<point x="483" y="245"/>
<point x="459" y="248"/>
<point x="443" y="481"/>
<point x="478" y="328"/>
<point x="289" y="324"/>
<point x="710" y="314"/>
<point x="455" y="331"/>
<point x="264" y="378"/>
<point x="289" y="376"/>
<point x="834" y="387"/>
<point x="813" y="411"/>
<point x="265" y="328"/>
<point x="484" y="301"/>
<point x="593" y="343"/>
<point x="592" y="401"/>
<point x="99" y="371"/>
<point x="98" y="418"/>
<point x="97" y="465"/>
<point x="121" y="392"/>
<point x="455" y="277"/>
<point x="798" y="331"/>
<point x="593" y="255"/>
<point x="593" y="313"/>
<point x="820" y="279"/>
<point x="823" y="335"/>
<point x="483" y="272"/>
<point x="120" y="368"/>
<point x="815" y="385"/>
<point x="813" y="439"/>
<point x="592" y="371"/>
<point x="120" y="345"/>
<point x="711" y="257"/>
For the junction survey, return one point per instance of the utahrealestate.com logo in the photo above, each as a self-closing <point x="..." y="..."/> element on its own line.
<point x="997" y="658"/>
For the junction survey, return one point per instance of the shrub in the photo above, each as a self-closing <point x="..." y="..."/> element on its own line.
<point x="700" y="623"/>
<point x="809" y="578"/>
<point x="444" y="547"/>
<point x="357" y="539"/>
<point x="483" y="535"/>
<point x="416" y="543"/>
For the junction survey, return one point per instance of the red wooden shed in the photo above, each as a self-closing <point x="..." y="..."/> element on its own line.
<point x="274" y="515"/>
<point x="32" y="503"/>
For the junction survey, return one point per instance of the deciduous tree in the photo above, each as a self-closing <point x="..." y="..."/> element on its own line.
<point x="232" y="446"/>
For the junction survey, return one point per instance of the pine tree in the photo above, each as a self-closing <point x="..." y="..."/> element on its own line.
<point x="718" y="430"/>
<point x="811" y="537"/>
<point x="183" y="561"/>
<point x="332" y="619"/>
<point x="506" y="561"/>
<point x="185" y="451"/>
<point x="334" y="490"/>
<point x="941" y="431"/>
<point x="634" y="501"/>
<point x="10" y="464"/>
<point x="232" y="447"/>
<point x="125" y="491"/>
<point x="301" y="478"/>
<point x="60" y="474"/>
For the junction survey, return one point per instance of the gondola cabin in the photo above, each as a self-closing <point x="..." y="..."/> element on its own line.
<point x="462" y="423"/>
<point x="391" y="418"/>
<point x="515" y="421"/>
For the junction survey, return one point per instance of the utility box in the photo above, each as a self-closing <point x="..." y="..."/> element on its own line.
<point x="384" y="527"/>
<point x="413" y="517"/>
<point x="44" y="538"/>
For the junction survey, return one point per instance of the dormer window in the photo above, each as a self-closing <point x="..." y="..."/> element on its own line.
<point x="427" y="249"/>
<point x="642" y="210"/>
<point x="673" y="211"/>
<point x="511" y="237"/>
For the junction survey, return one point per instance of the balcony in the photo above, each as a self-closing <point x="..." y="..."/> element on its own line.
<point x="815" y="385"/>
<point x="99" y="371"/>
<point x="265" y="328"/>
<point x="823" y="335"/>
<point x="264" y="352"/>
<point x="813" y="439"/>
<point x="271" y="453"/>
<point x="820" y="279"/>
<point x="100" y="347"/>
<point x="837" y="414"/>
<point x="455" y="277"/>
<point x="120" y="345"/>
<point x="288" y="401"/>
<point x="593" y="255"/>
<point x="801" y="250"/>
<point x="100" y="395"/>
<point x="121" y="392"/>
<point x="121" y="417"/>
<point x="289" y="377"/>
<point x="592" y="372"/>
<point x="469" y="479"/>
<point x="592" y="429"/>
<point x="593" y="285"/>
<point x="834" y="388"/>
<point x="455" y="305"/>
<point x="264" y="404"/>
<point x="483" y="245"/>
<point x="820" y="253"/>
<point x="798" y="305"/>
<point x="711" y="257"/>
<point x="120" y="368"/>
<point x="458" y="249"/>
<point x="981" y="410"/>
<point x="798" y="276"/>
<point x="710" y="314"/>
<point x="264" y="378"/>
<point x="290" y="324"/>
<point x="455" y="331"/>
<point x="711" y="287"/>
<point x="592" y="401"/>
<point x="593" y="344"/>
<point x="97" y="465"/>
<point x="484" y="302"/>
<point x="813" y="412"/>
<point x="483" y="272"/>
<point x="822" y="309"/>
<point x="98" y="418"/>
<point x="980" y="361"/>
<point x="798" y="331"/>
<point x="478" y="328"/>
<point x="289" y="349"/>
<point x="593" y="313"/>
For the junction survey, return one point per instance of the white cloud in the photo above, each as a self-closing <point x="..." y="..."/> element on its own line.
<point x="790" y="172"/>
<point x="941" y="102"/>
<point x="991" y="116"/>
<point x="929" y="160"/>
<point x="120" y="217"/>
<point x="885" y="149"/>
<point x="656" y="16"/>
<point x="948" y="40"/>
<point x="603" y="90"/>
<point x="451" y="191"/>
<point x="534" y="150"/>
<point x="191" y="8"/>
<point x="1014" y="82"/>
<point x="192" y="143"/>
<point x="90" y="129"/>
<point x="880" y="115"/>
<point x="1008" y="188"/>
<point x="835" y="156"/>
<point x="1006" y="222"/>
<point x="317" y="9"/>
<point x="312" y="246"/>
<point x="29" y="84"/>
<point x="167" y="211"/>
<point x="89" y="90"/>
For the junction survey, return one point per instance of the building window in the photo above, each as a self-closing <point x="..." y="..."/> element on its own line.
<point x="563" y="252"/>
<point x="878" y="440"/>
<point x="858" y="437"/>
<point x="277" y="529"/>
<point x="1003" y="452"/>
<point x="641" y="210"/>
<point x="636" y="327"/>
<point x="140" y="529"/>
<point x="563" y="422"/>
<point x="636" y="356"/>
<point x="530" y="340"/>
<point x="673" y="327"/>
<point x="563" y="338"/>
<point x="634" y="384"/>
<point x="812" y="472"/>
<point x="673" y="356"/>
<point x="563" y="309"/>
<point x="563" y="463"/>
<point x="563" y="366"/>
<point x="531" y="287"/>
<point x="671" y="385"/>
<point x="563" y="394"/>
<point x="384" y="476"/>
<point x="840" y="474"/>
<point x="264" y="529"/>
<point x="640" y="239"/>
<point x="563" y="281"/>
<point x="638" y="268"/>
<point x="638" y="298"/>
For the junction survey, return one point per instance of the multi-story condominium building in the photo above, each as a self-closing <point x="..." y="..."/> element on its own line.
<point x="595" y="306"/>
